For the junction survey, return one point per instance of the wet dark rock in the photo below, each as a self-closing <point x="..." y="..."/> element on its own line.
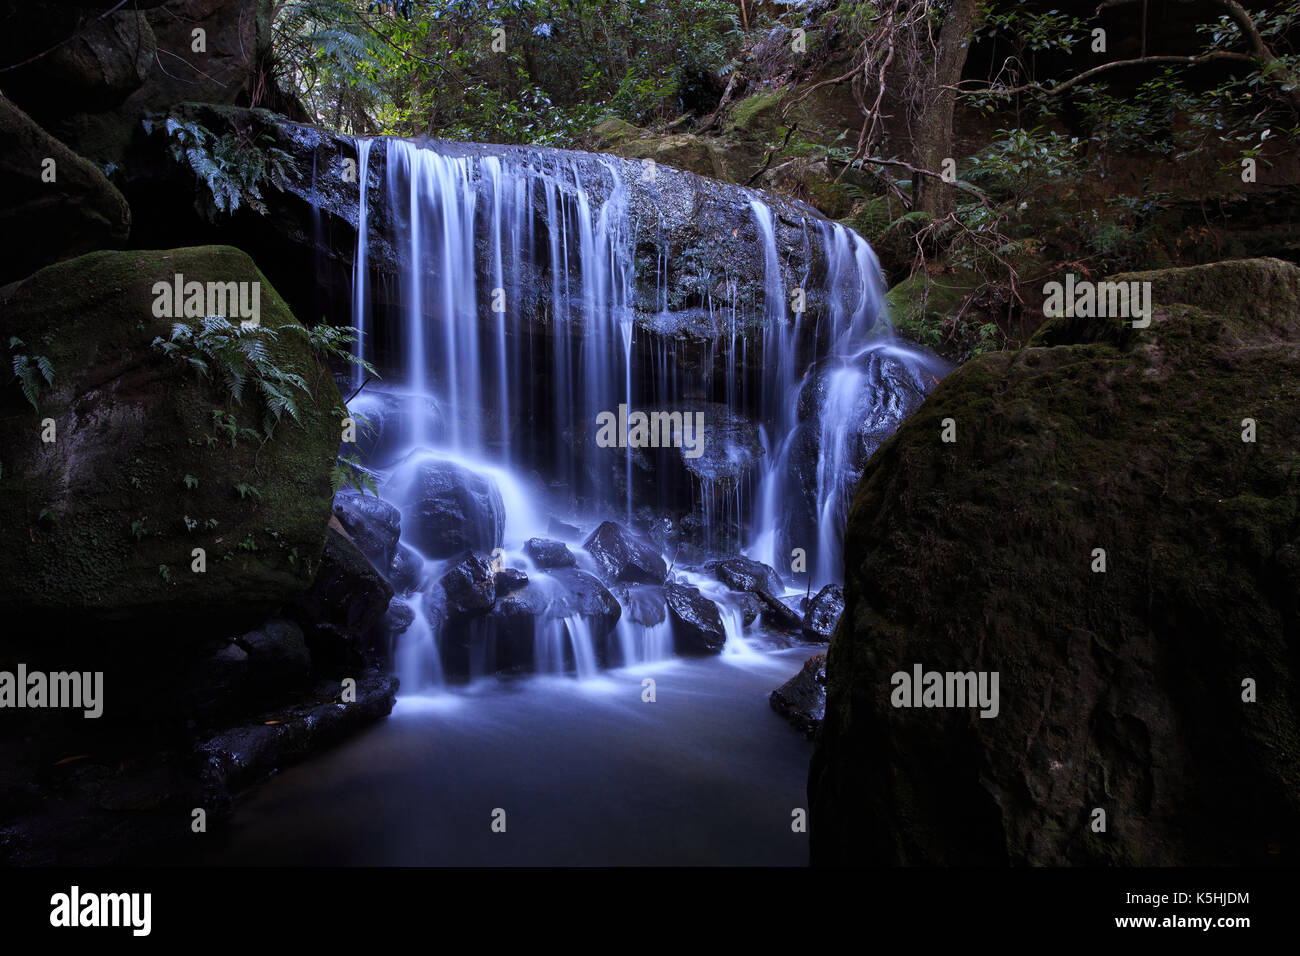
<point x="242" y="755"/>
<point x="802" y="699"/>
<point x="584" y="594"/>
<point x="760" y="580"/>
<point x="346" y="600"/>
<point x="470" y="587"/>
<point x="697" y="625"/>
<point x="504" y="638"/>
<point x="509" y="580"/>
<point x="405" y="571"/>
<point x="707" y="224"/>
<point x="727" y="451"/>
<point x="622" y="556"/>
<point x="453" y="509"/>
<point x="643" y="604"/>
<point x="549" y="554"/>
<point x="744" y="574"/>
<point x="278" y="658"/>
<point x="398" y="617"/>
<point x="382" y="416"/>
<point x="883" y="390"/>
<point x="751" y="606"/>
<point x="219" y="683"/>
<point x="372" y="523"/>
<point x="662" y="532"/>
<point x="823" y="613"/>
<point x="777" y="613"/>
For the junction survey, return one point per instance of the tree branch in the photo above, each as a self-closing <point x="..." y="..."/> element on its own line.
<point x="917" y="171"/>
<point x="1113" y="65"/>
<point x="80" y="31"/>
<point x="1260" y="51"/>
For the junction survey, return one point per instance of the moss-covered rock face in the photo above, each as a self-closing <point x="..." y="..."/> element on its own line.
<point x="43" y="220"/>
<point x="148" y="461"/>
<point x="1119" y="690"/>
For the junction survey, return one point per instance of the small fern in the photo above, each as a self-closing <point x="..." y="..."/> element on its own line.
<point x="335" y="342"/>
<point x="348" y="470"/>
<point x="34" y="373"/>
<point x="237" y="360"/>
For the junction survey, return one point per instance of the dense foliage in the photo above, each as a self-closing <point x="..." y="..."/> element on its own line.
<point x="500" y="70"/>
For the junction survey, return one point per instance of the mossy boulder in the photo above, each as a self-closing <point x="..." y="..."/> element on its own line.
<point x="610" y="133"/>
<point x="758" y="116"/>
<point x="1126" y="690"/>
<point x="920" y="303"/>
<point x="694" y="154"/>
<point x="148" y="461"/>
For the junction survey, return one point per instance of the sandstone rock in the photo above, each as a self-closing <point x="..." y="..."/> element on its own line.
<point x="1119" y="690"/>
<point x="102" y="521"/>
<point x="44" y="222"/>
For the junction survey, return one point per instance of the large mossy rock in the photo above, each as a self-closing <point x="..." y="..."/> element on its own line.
<point x="102" y="521"/>
<point x="42" y="221"/>
<point x="1119" y="690"/>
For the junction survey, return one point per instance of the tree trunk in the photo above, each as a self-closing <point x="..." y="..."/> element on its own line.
<point x="934" y="139"/>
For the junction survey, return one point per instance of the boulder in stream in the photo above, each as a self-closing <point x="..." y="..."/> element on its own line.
<point x="697" y="625"/>
<point x="802" y="699"/>
<point x="451" y="508"/>
<point x="623" y="556"/>
<point x="548" y="553"/>
<point x="823" y="613"/>
<point x="373" y="524"/>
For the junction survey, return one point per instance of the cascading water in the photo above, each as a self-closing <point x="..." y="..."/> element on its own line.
<point x="487" y="426"/>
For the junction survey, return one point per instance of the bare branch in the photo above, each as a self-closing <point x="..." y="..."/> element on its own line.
<point x="1113" y="65"/>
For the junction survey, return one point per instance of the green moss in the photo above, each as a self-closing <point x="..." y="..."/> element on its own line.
<point x="757" y="116"/>
<point x="922" y="305"/>
<point x="1120" y="689"/>
<point x="871" y="217"/>
<point x="130" y="425"/>
<point x="610" y="133"/>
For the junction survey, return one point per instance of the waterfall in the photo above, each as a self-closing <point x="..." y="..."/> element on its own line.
<point x="513" y="323"/>
<point x="360" y="276"/>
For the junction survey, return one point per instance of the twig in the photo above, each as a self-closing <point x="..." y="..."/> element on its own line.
<point x="366" y="382"/>
<point x="33" y="59"/>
